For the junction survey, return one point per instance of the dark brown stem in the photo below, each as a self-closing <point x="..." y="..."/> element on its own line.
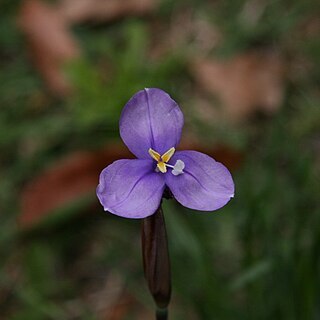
<point x="156" y="261"/>
<point x="162" y="314"/>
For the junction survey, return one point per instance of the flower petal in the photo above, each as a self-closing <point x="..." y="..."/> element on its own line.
<point x="205" y="184"/>
<point x="131" y="188"/>
<point x="151" y="119"/>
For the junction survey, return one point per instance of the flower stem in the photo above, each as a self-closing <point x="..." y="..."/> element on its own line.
<point x="161" y="314"/>
<point x="156" y="262"/>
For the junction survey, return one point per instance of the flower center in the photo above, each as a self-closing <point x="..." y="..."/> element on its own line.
<point x="163" y="159"/>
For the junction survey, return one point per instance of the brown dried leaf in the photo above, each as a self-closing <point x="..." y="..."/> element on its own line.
<point x="184" y="30"/>
<point x="244" y="84"/>
<point x="72" y="178"/>
<point x="77" y="11"/>
<point x="51" y="43"/>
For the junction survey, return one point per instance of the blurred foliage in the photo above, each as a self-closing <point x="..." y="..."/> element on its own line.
<point x="257" y="258"/>
<point x="99" y="101"/>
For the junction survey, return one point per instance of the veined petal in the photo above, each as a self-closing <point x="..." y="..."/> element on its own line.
<point x="151" y="119"/>
<point x="205" y="184"/>
<point x="131" y="188"/>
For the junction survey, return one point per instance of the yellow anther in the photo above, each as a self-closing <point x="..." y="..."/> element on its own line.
<point x="162" y="160"/>
<point x="155" y="155"/>
<point x="162" y="166"/>
<point x="167" y="156"/>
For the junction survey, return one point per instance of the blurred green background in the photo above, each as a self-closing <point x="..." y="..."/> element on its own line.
<point x="246" y="75"/>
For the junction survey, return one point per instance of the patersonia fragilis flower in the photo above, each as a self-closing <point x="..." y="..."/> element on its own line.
<point x="150" y="126"/>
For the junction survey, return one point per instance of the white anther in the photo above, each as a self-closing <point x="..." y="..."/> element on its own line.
<point x="178" y="168"/>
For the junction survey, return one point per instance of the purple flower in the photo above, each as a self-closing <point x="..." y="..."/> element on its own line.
<point x="150" y="126"/>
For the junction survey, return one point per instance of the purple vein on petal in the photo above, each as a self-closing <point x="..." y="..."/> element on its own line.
<point x="185" y="170"/>
<point x="218" y="194"/>
<point x="176" y="128"/>
<point x="141" y="204"/>
<point x="195" y="178"/>
<point x="102" y="183"/>
<point x="122" y="165"/>
<point x="150" y="118"/>
<point x="129" y="192"/>
<point x="122" y="189"/>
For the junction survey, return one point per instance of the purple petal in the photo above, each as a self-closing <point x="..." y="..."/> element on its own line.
<point x="205" y="184"/>
<point x="151" y="119"/>
<point x="131" y="188"/>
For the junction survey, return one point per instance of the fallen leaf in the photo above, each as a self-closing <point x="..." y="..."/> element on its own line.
<point x="78" y="11"/>
<point x="244" y="84"/>
<point x="184" y="30"/>
<point x="51" y="43"/>
<point x="47" y="29"/>
<point x="73" y="177"/>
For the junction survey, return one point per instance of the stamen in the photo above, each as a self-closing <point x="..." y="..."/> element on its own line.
<point x="154" y="154"/>
<point x="162" y="167"/>
<point x="162" y="162"/>
<point x="167" y="155"/>
<point x="178" y="168"/>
